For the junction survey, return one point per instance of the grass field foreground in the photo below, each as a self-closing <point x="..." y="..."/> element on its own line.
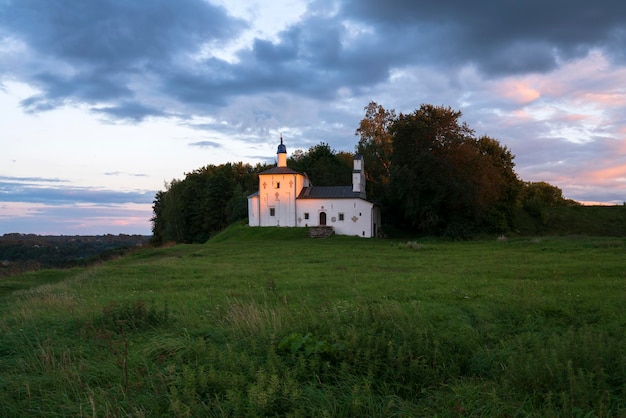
<point x="266" y="322"/>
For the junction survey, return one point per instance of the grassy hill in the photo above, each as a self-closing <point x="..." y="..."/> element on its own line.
<point x="608" y="221"/>
<point x="266" y="322"/>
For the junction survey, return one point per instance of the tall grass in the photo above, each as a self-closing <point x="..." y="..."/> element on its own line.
<point x="251" y="325"/>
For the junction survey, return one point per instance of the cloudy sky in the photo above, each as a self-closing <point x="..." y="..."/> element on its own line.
<point x="103" y="101"/>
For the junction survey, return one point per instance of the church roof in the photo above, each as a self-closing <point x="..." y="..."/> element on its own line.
<point x="279" y="170"/>
<point x="328" y="192"/>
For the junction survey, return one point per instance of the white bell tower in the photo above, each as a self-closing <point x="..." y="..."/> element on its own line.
<point x="358" y="176"/>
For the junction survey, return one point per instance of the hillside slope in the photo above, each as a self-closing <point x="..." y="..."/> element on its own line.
<point x="606" y="221"/>
<point x="262" y="322"/>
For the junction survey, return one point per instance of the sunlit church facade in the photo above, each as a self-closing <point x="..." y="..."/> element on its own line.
<point x="286" y="198"/>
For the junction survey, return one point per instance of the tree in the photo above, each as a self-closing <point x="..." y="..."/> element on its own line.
<point x="503" y="181"/>
<point x="424" y="184"/>
<point x="443" y="179"/>
<point x="535" y="197"/>
<point x="206" y="201"/>
<point x="324" y="166"/>
<point x="237" y="206"/>
<point x="168" y="222"/>
<point x="376" y="146"/>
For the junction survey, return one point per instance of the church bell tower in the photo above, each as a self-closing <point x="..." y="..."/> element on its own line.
<point x="282" y="153"/>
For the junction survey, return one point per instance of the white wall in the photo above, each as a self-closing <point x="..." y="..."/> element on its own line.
<point x="357" y="215"/>
<point x="278" y="192"/>
<point x="253" y="211"/>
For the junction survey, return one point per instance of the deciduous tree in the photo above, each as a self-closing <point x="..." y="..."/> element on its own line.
<point x="376" y="145"/>
<point x="442" y="177"/>
<point x="323" y="165"/>
<point x="536" y="196"/>
<point x="207" y="200"/>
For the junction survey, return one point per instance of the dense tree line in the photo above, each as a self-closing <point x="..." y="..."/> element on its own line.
<point x="438" y="177"/>
<point x="212" y="197"/>
<point x="323" y="165"/>
<point x="433" y="175"/>
<point x="204" y="202"/>
<point x="427" y="169"/>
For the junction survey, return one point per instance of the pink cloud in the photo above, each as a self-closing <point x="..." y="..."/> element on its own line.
<point x="616" y="174"/>
<point x="519" y="91"/>
<point x="75" y="219"/>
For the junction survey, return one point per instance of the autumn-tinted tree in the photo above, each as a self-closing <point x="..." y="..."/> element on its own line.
<point x="536" y="196"/>
<point x="443" y="179"/>
<point x="376" y="146"/>
<point x="501" y="181"/>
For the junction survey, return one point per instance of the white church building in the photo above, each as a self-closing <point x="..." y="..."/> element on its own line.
<point x="287" y="198"/>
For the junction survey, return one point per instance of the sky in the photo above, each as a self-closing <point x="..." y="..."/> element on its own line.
<point x="103" y="102"/>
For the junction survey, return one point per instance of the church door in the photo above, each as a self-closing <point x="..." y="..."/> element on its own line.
<point x="322" y="218"/>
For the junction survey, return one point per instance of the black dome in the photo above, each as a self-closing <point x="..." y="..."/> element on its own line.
<point x="282" y="149"/>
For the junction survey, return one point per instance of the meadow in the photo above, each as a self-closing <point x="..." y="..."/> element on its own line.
<point x="267" y="322"/>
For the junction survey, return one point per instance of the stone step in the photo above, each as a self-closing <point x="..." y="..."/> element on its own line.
<point x="321" y="231"/>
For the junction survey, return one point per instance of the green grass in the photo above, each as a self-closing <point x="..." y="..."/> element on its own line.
<point x="265" y="322"/>
<point x="10" y="284"/>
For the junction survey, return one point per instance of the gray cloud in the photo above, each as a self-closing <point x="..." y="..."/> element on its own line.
<point x="128" y="111"/>
<point x="117" y="34"/>
<point x="34" y="192"/>
<point x="206" y="144"/>
<point x="95" y="51"/>
<point x="121" y="173"/>
<point x="107" y="52"/>
<point x="19" y="180"/>
<point x="499" y="37"/>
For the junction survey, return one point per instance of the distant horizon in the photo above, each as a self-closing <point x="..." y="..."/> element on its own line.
<point x="589" y="204"/>
<point x="76" y="235"/>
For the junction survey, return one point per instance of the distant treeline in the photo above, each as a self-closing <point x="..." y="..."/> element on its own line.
<point x="427" y="170"/>
<point x="598" y="221"/>
<point x="23" y="252"/>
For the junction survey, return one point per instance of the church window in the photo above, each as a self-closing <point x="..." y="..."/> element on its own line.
<point x="278" y="184"/>
<point x="272" y="211"/>
<point x="306" y="215"/>
<point x="341" y="216"/>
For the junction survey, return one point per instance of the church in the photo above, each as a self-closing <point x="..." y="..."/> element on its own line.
<point x="287" y="198"/>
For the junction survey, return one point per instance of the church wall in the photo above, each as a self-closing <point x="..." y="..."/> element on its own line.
<point x="357" y="215"/>
<point x="253" y="211"/>
<point x="277" y="194"/>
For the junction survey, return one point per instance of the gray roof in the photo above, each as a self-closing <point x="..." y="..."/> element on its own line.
<point x="279" y="170"/>
<point x="328" y="192"/>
